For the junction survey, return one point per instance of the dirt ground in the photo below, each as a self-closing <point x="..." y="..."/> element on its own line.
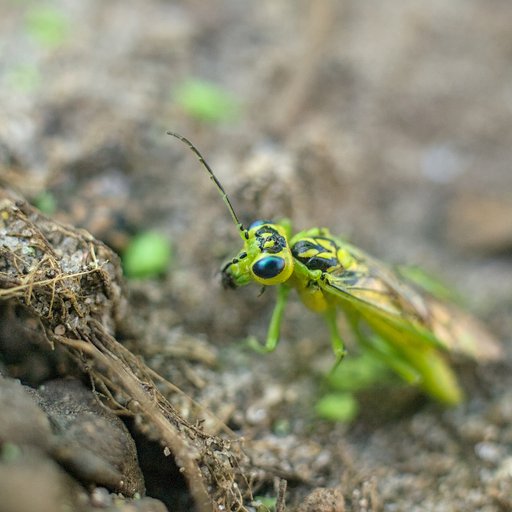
<point x="388" y="122"/>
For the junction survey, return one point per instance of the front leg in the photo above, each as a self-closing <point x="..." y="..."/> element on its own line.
<point x="338" y="345"/>
<point x="275" y="324"/>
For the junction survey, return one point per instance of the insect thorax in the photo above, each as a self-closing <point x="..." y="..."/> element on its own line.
<point x="318" y="253"/>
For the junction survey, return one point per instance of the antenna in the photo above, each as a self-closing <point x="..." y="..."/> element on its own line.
<point x="217" y="183"/>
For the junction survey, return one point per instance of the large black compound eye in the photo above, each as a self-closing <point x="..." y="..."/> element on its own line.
<point x="268" y="267"/>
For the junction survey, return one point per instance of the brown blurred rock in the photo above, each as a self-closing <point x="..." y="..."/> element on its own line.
<point x="29" y="482"/>
<point x="64" y="421"/>
<point x="93" y="442"/>
<point x="21" y="421"/>
<point x="479" y="222"/>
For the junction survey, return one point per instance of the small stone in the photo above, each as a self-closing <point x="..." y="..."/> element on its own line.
<point x="60" y="330"/>
<point x="323" y="499"/>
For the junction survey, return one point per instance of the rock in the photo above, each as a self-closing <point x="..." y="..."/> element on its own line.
<point x="93" y="443"/>
<point x="480" y="222"/>
<point x="323" y="499"/>
<point x="30" y="481"/>
<point x="22" y="422"/>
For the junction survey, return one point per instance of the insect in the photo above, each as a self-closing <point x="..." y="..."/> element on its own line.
<point x="407" y="327"/>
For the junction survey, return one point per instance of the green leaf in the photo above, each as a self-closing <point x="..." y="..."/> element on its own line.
<point x="147" y="255"/>
<point x="47" y="25"/>
<point x="206" y="101"/>
<point x="340" y="407"/>
<point x="45" y="202"/>
<point x="357" y="373"/>
<point x="10" y="452"/>
<point x="23" y="78"/>
<point x="264" y="503"/>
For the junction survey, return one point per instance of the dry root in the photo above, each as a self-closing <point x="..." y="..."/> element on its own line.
<point x="73" y="284"/>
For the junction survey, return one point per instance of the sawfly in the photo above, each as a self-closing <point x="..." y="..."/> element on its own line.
<point x="403" y="324"/>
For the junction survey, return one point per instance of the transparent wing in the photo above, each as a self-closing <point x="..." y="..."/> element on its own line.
<point x="396" y="309"/>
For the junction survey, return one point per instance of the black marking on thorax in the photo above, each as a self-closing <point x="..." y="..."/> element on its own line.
<point x="317" y="253"/>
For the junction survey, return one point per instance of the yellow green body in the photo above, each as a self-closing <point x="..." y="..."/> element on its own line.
<point x="406" y="326"/>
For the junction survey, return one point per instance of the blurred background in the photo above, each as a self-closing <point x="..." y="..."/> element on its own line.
<point x="388" y="122"/>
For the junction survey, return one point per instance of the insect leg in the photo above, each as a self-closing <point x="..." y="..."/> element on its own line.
<point x="275" y="323"/>
<point x="377" y="346"/>
<point x="437" y="378"/>
<point x="338" y="345"/>
<point x="423" y="365"/>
